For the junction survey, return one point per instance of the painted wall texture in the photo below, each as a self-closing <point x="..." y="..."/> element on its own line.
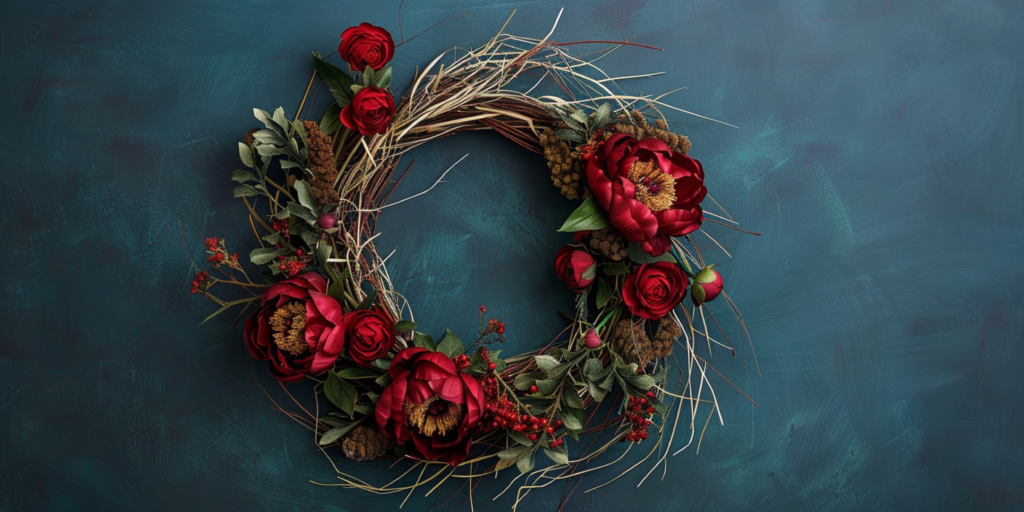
<point x="879" y="151"/>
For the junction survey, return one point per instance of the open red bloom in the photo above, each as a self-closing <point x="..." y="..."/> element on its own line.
<point x="429" y="406"/>
<point x="652" y="290"/>
<point x="369" y="334"/>
<point x="366" y="45"/>
<point x="575" y="268"/>
<point x="650" y="192"/>
<point x="370" y="111"/>
<point x="297" y="328"/>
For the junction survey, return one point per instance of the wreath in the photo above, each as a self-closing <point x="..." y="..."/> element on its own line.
<point x="326" y="311"/>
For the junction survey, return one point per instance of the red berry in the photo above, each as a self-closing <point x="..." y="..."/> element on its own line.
<point x="280" y="267"/>
<point x="550" y="430"/>
<point x="650" y="410"/>
<point x="650" y="393"/>
<point x="298" y="252"/>
<point x="483" y="309"/>
<point x="533" y="389"/>
<point x="491" y="366"/>
<point x="543" y="421"/>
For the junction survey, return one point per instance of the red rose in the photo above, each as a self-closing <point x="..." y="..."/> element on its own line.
<point x="369" y="112"/>
<point x="575" y="268"/>
<point x="369" y="335"/>
<point x="650" y="192"/>
<point x="430" y="404"/>
<point x="653" y="289"/>
<point x="297" y="328"/>
<point x="366" y="45"/>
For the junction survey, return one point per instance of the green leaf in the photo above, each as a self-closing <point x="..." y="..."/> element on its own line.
<point x="242" y="176"/>
<point x="589" y="216"/>
<point x="302" y="212"/>
<point x="545" y="362"/>
<point x="356" y="88"/>
<point x="280" y="119"/>
<point x="305" y="195"/>
<point x="245" y="153"/>
<point x="512" y="452"/>
<point x="382" y="363"/>
<point x="596" y="391"/>
<point x="637" y="254"/>
<point x="569" y="135"/>
<point x="548" y="386"/>
<point x="383" y="79"/>
<point x="264" y="255"/>
<point x="424" y="340"/>
<point x="334" y="434"/>
<point x="337" y="80"/>
<point x="571" y="399"/>
<point x="557" y="455"/>
<point x="340" y="393"/>
<point x="404" y="326"/>
<point x="451" y="345"/>
<point x="337" y="288"/>
<point x="245" y="190"/>
<point x="266" y="136"/>
<point x="369" y="76"/>
<point x="520" y="438"/>
<point x="525" y="463"/>
<point x="697" y="293"/>
<point x="579" y="115"/>
<point x="331" y="121"/>
<point x="572" y="421"/>
<point x="367" y="303"/>
<point x="615" y="268"/>
<point x="603" y="115"/>
<point x="523" y="381"/>
<point x="604" y="292"/>
<point x="383" y="380"/>
<point x="332" y="421"/>
<point x="264" y="117"/>
<point x="357" y="373"/>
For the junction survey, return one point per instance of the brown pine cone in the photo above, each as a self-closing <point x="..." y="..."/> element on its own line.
<point x="630" y="342"/>
<point x="566" y="171"/>
<point x="640" y="129"/>
<point x="320" y="160"/>
<point x="609" y="242"/>
<point x="668" y="332"/>
<point x="364" y="444"/>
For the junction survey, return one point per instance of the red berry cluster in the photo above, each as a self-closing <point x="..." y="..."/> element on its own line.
<point x="292" y="265"/>
<point x="200" y="281"/>
<point x="588" y="150"/>
<point x="219" y="254"/>
<point x="493" y="325"/>
<point x="637" y="413"/>
<point x="280" y="225"/>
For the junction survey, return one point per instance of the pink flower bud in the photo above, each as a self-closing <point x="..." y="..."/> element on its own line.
<point x="707" y="284"/>
<point x="591" y="340"/>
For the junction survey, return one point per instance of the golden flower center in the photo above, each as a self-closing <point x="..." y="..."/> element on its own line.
<point x="655" y="188"/>
<point x="289" y="326"/>
<point x="434" y="416"/>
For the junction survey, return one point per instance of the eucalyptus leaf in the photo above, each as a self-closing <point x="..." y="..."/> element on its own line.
<point x="305" y="195"/>
<point x="242" y="176"/>
<point x="302" y="212"/>
<point x="603" y="115"/>
<point x="579" y="115"/>
<point x="545" y="362"/>
<point x="267" y="136"/>
<point x="245" y="190"/>
<point x="245" y="154"/>
<point x="589" y="216"/>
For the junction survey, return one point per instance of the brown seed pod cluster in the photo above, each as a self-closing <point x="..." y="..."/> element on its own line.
<point x="566" y="170"/>
<point x="320" y="160"/>
<point x="249" y="137"/>
<point x="364" y="444"/>
<point x="668" y="332"/>
<point x="641" y="129"/>
<point x="630" y="342"/>
<point x="609" y="242"/>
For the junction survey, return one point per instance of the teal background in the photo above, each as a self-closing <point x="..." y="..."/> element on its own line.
<point x="879" y="151"/>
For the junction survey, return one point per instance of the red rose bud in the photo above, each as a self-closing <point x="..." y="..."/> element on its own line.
<point x="366" y="45"/>
<point x="370" y="111"/>
<point x="591" y="340"/>
<point x="327" y="221"/>
<point x="707" y="284"/>
<point x="297" y="328"/>
<point x="369" y="335"/>
<point x="429" y="407"/>
<point x="650" y="192"/>
<point x="652" y="290"/>
<point x="575" y="268"/>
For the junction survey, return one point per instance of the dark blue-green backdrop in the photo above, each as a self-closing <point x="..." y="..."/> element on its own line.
<point x="879" y="151"/>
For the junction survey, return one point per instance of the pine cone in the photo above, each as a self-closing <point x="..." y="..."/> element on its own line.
<point x="640" y="129"/>
<point x="630" y="342"/>
<point x="668" y="332"/>
<point x="610" y="242"/>
<point x="320" y="160"/>
<point x="566" y="171"/>
<point x="364" y="444"/>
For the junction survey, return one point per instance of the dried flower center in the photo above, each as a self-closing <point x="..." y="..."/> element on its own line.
<point x="655" y="188"/>
<point x="434" y="416"/>
<point x="289" y="326"/>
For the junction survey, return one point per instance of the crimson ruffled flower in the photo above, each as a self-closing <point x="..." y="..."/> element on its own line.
<point x="366" y="45"/>
<point x="575" y="268"/>
<point x="370" y="111"/>
<point x="652" y="290"/>
<point x="369" y="334"/>
<point x="429" y="406"/>
<point x="650" y="192"/>
<point x="297" y="328"/>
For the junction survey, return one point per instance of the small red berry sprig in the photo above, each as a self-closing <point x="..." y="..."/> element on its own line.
<point x="218" y="252"/>
<point x="588" y="150"/>
<point x="292" y="265"/>
<point x="201" y="281"/>
<point x="638" y="414"/>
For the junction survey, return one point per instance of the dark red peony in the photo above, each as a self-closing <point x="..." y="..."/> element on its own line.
<point x="430" y="404"/>
<point x="369" y="335"/>
<point x="575" y="268"/>
<point x="650" y="192"/>
<point x="297" y="328"/>
<point x="652" y="290"/>
<point x="369" y="112"/>
<point x="366" y="45"/>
